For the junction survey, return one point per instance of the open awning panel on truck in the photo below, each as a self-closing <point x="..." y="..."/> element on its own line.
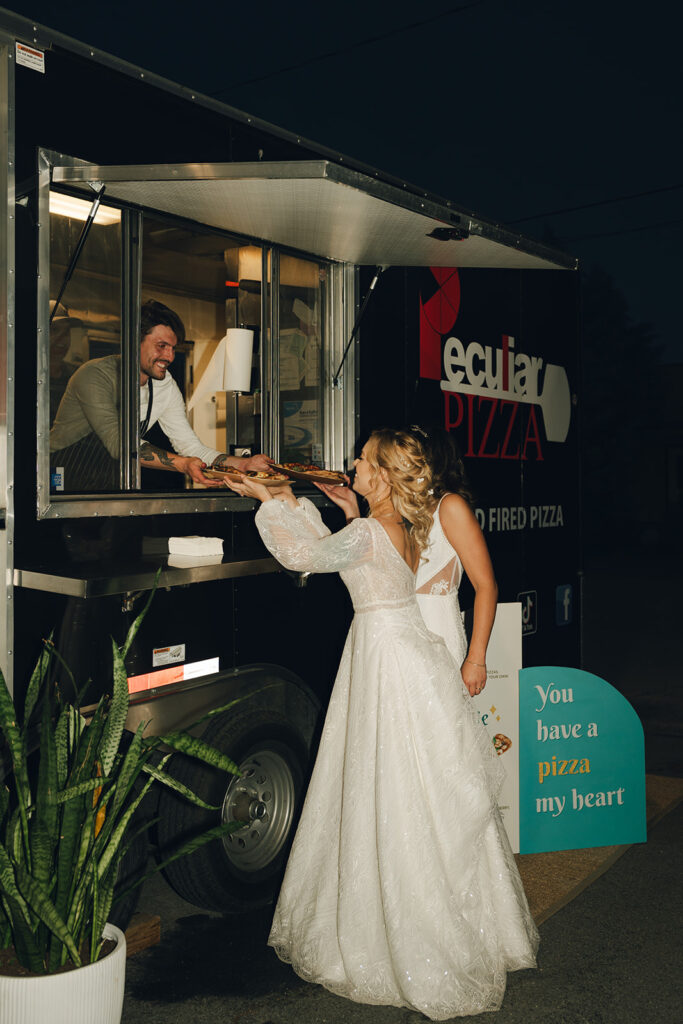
<point x="321" y="208"/>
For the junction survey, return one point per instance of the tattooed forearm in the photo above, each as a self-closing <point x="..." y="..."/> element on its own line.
<point x="220" y="462"/>
<point x="148" y="452"/>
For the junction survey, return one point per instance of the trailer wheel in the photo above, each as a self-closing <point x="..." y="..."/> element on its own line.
<point x="242" y="871"/>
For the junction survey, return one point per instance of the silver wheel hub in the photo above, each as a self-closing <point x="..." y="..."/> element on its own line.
<point x="264" y="798"/>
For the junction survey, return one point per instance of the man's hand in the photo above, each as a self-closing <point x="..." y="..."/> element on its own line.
<point x="257" y="463"/>
<point x="156" y="458"/>
<point x="152" y="457"/>
<point x="192" y="467"/>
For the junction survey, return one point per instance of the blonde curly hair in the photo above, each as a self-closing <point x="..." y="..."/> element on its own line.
<point x="409" y="476"/>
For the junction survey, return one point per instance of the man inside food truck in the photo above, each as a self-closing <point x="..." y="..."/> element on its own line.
<point x="85" y="434"/>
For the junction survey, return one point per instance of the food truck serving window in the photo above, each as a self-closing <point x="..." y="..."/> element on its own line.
<point x="287" y="309"/>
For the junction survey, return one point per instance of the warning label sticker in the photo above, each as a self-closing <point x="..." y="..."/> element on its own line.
<point x="172" y="655"/>
<point x="29" y="57"/>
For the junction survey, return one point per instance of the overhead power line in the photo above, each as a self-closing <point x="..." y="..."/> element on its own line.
<point x="600" y="202"/>
<point x="624" y="231"/>
<point x="351" y="46"/>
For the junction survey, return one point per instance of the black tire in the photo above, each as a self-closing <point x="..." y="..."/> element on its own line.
<point x="243" y="871"/>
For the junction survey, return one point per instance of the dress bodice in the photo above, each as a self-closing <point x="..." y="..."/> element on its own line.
<point x="437" y="581"/>
<point x="375" y="574"/>
<point x="440" y="569"/>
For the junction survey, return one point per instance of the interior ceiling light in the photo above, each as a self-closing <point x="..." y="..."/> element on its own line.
<point x="78" y="209"/>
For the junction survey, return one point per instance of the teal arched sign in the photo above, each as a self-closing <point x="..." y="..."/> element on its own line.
<point x="581" y="762"/>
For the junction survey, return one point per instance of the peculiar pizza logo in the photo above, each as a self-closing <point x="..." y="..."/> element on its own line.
<point x="491" y="392"/>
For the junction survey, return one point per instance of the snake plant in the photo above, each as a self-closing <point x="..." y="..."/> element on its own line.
<point x="66" y="807"/>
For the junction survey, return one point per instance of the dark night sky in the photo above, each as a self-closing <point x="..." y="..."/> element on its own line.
<point x="511" y="109"/>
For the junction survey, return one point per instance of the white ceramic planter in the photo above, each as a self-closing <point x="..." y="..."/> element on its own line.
<point x="88" y="995"/>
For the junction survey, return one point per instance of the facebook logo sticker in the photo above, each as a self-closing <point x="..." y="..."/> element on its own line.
<point x="563" y="604"/>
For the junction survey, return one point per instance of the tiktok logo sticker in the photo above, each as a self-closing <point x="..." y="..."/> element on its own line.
<point x="529" y="601"/>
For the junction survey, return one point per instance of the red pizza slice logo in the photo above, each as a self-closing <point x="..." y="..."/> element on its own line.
<point x="437" y="317"/>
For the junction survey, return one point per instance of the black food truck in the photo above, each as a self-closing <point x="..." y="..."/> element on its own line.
<point x="371" y="303"/>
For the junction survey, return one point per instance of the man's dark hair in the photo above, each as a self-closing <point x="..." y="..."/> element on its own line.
<point x="154" y="313"/>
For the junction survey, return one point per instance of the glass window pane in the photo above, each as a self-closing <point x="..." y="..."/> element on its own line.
<point x="85" y="349"/>
<point x="212" y="283"/>
<point x="301" y="318"/>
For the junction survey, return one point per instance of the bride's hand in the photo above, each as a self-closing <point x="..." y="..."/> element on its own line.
<point x="473" y="676"/>
<point x="249" y="487"/>
<point x="344" y="497"/>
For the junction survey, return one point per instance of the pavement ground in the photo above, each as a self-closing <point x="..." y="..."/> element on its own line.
<point x="611" y="956"/>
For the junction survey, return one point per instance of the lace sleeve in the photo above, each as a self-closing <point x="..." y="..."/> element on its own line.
<point x="293" y="537"/>
<point x="313" y="517"/>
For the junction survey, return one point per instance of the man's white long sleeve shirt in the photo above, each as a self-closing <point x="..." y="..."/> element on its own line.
<point x="91" y="402"/>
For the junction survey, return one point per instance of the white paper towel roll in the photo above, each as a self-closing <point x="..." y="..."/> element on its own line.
<point x="237" y="367"/>
<point x="229" y="368"/>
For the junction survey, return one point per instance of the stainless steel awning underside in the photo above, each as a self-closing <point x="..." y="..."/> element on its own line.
<point x="321" y="208"/>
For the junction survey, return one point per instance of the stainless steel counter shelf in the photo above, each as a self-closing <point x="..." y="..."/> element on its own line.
<point x="102" y="579"/>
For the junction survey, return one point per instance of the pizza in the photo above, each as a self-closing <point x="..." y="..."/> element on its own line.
<point x="234" y="473"/>
<point x="254" y="474"/>
<point x="300" y="467"/>
<point x="309" y="471"/>
<point x="501" y="743"/>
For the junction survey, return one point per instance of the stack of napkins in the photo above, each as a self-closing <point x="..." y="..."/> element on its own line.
<point x="195" y="545"/>
<point x="192" y="561"/>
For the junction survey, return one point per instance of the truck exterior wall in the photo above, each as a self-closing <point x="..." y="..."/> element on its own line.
<point x="83" y="108"/>
<point x="526" y="486"/>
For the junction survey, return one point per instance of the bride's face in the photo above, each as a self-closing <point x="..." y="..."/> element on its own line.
<point x="361" y="482"/>
<point x="367" y="480"/>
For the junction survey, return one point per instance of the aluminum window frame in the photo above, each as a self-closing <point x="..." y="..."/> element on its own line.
<point x="336" y="401"/>
<point x="7" y="351"/>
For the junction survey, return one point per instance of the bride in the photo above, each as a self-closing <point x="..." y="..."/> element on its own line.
<point x="401" y="888"/>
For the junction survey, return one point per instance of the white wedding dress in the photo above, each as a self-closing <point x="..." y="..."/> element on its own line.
<point x="401" y="888"/>
<point x="436" y="586"/>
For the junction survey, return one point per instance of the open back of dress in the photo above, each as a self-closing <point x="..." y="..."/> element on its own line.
<point x="437" y="582"/>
